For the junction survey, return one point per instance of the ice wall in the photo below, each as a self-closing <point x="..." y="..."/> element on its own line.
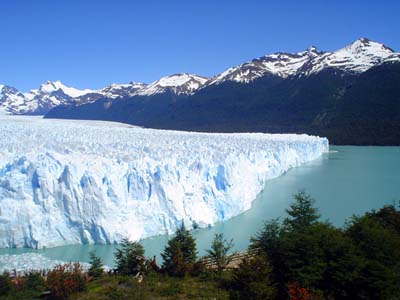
<point x="68" y="182"/>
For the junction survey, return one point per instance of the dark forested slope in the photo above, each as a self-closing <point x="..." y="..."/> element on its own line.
<point x="356" y="109"/>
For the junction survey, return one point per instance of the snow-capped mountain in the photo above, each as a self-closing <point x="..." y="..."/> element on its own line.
<point x="280" y="64"/>
<point x="177" y="83"/>
<point x="113" y="91"/>
<point x="49" y="95"/>
<point x="122" y="90"/>
<point x="52" y="94"/>
<point x="38" y="101"/>
<point x="50" y="87"/>
<point x="10" y="99"/>
<point x="357" y="57"/>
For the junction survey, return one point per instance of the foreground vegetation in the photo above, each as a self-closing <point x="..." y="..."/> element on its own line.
<point x="300" y="257"/>
<point x="155" y="286"/>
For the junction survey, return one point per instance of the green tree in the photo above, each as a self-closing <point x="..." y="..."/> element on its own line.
<point x="180" y="254"/>
<point x="294" y="254"/>
<point x="174" y="263"/>
<point x="301" y="213"/>
<point x="314" y="254"/>
<point x="252" y="280"/>
<point x="219" y="251"/>
<point x="388" y="216"/>
<point x="360" y="262"/>
<point x="129" y="258"/>
<point x="320" y="258"/>
<point x="267" y="240"/>
<point x="378" y="246"/>
<point x="96" y="265"/>
<point x="188" y="245"/>
<point x="303" y="257"/>
<point x="341" y="263"/>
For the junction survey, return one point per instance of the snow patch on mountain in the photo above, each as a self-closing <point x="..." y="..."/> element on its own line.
<point x="178" y="84"/>
<point x="279" y="64"/>
<point x="68" y="182"/>
<point x="50" y="87"/>
<point x="357" y="57"/>
<point x="122" y="90"/>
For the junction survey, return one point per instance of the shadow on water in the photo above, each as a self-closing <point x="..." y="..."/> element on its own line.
<point x="345" y="181"/>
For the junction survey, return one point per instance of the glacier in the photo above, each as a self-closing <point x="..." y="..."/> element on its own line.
<point x="76" y="182"/>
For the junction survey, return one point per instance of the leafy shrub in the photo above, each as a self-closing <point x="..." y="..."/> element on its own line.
<point x="5" y="284"/>
<point x="34" y="281"/>
<point x="18" y="282"/>
<point x="296" y="292"/>
<point x="66" y="279"/>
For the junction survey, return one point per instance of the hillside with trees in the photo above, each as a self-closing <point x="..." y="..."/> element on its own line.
<point x="348" y="109"/>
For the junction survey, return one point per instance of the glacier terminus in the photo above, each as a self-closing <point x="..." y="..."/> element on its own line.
<point x="76" y="182"/>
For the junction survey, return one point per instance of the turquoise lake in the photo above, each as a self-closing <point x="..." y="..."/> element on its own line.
<point x="348" y="180"/>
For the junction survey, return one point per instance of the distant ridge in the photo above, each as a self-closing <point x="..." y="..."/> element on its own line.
<point x="357" y="57"/>
<point x="351" y="96"/>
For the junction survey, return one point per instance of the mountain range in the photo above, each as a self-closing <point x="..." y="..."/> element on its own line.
<point x="351" y="96"/>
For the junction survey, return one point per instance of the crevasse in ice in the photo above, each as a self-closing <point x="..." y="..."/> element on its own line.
<point x="70" y="182"/>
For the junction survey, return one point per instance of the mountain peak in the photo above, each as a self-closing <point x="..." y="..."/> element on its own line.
<point x="117" y="90"/>
<point x="281" y="64"/>
<point x="359" y="56"/>
<point x="356" y="57"/>
<point x="313" y="49"/>
<point x="179" y="79"/>
<point x="179" y="83"/>
<point x="364" y="40"/>
<point x="364" y="43"/>
<point x="52" y="86"/>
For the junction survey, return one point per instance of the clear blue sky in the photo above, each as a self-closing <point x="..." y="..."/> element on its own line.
<point x="92" y="43"/>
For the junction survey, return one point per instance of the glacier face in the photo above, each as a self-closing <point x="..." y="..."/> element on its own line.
<point x="68" y="182"/>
